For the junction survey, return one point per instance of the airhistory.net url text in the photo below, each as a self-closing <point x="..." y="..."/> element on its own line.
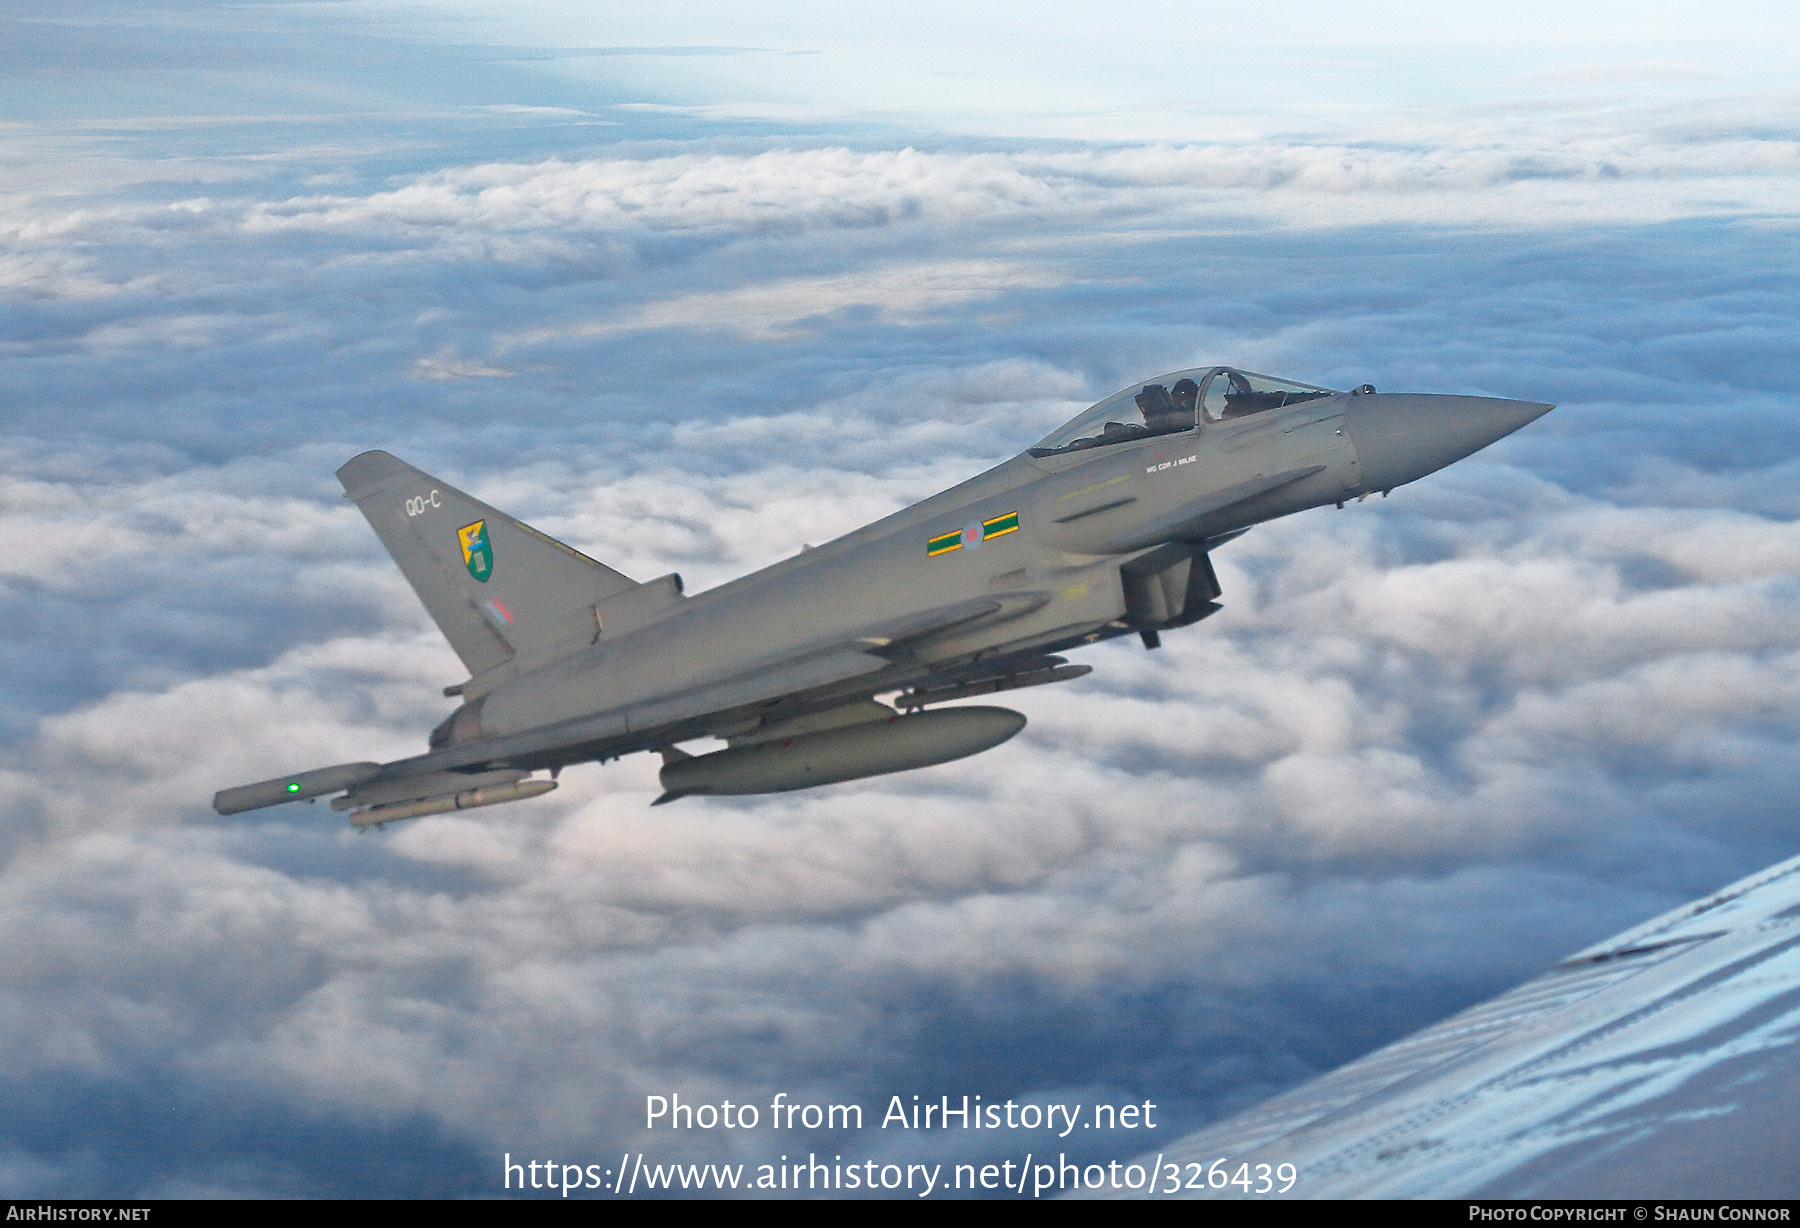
<point x="637" y="1174"/>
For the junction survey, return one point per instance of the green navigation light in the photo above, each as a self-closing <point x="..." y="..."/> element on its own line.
<point x="294" y="788"/>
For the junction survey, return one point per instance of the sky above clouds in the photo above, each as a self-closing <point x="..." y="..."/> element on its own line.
<point x="692" y="291"/>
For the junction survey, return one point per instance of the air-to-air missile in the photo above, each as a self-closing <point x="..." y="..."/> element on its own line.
<point x="1101" y="530"/>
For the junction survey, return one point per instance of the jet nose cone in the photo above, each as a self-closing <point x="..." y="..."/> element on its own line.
<point x="1400" y="437"/>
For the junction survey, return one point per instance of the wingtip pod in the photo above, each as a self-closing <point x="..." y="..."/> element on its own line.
<point x="295" y="788"/>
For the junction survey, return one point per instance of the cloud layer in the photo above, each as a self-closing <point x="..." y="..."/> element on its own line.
<point x="1432" y="743"/>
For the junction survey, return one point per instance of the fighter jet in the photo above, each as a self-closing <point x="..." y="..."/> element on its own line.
<point x="1103" y="529"/>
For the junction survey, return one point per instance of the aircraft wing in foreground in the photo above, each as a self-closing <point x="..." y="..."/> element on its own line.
<point x="1657" y="1064"/>
<point x="1101" y="530"/>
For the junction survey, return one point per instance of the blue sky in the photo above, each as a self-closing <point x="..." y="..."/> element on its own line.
<point x="692" y="291"/>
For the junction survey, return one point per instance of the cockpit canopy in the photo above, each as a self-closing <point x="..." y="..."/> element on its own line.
<point x="1178" y="401"/>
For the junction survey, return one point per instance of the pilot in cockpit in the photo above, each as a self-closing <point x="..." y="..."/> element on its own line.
<point x="1185" y="393"/>
<point x="1166" y="412"/>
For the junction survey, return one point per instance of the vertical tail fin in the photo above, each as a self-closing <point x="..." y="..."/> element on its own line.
<point x="495" y="587"/>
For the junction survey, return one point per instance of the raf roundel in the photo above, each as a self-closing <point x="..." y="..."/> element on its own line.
<point x="971" y="535"/>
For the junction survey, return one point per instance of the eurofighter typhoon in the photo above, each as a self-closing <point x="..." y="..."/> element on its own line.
<point x="1101" y="530"/>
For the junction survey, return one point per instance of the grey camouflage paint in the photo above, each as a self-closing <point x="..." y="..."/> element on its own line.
<point x="979" y="585"/>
